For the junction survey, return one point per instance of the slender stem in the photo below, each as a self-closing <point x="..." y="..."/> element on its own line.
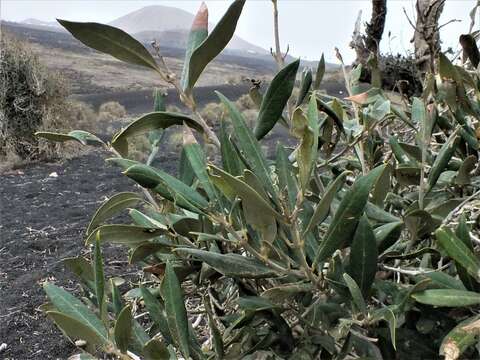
<point x="279" y="58"/>
<point x="361" y="150"/>
<point x="278" y="53"/>
<point x="187" y="99"/>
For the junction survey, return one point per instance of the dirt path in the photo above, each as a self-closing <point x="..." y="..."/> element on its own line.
<point x="42" y="220"/>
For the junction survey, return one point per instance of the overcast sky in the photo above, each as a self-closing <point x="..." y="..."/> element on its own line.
<point x="309" y="26"/>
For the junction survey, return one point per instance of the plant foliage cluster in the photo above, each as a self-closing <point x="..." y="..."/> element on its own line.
<point x="358" y="243"/>
<point x="31" y="98"/>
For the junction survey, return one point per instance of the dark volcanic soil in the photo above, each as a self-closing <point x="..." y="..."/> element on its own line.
<point x="42" y="221"/>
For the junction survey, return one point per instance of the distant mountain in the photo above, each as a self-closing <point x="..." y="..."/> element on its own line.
<point x="171" y="25"/>
<point x="36" y="22"/>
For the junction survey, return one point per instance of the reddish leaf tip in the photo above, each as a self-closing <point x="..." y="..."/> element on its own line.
<point x="201" y="19"/>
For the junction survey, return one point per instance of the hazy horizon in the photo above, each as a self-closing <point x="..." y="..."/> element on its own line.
<point x="309" y="27"/>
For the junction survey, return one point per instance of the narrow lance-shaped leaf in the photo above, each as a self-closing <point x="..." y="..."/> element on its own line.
<point x="458" y="251"/>
<point x="112" y="206"/>
<point x="99" y="279"/>
<point x="123" y="329"/>
<point x="124" y="234"/>
<point x="198" y="33"/>
<point x="156" y="350"/>
<point x="356" y="293"/>
<point x="248" y="144"/>
<point x="230" y="160"/>
<point x="320" y="73"/>
<point x="286" y="176"/>
<point x="275" y="99"/>
<point x="168" y="186"/>
<point x="462" y="232"/>
<point x="72" y="307"/>
<point x="83" y="137"/>
<point x="149" y="122"/>
<point x="231" y="184"/>
<point x="156" y="311"/>
<point x="445" y="154"/>
<point x="196" y="157"/>
<point x="347" y="215"/>
<point x="323" y="208"/>
<point x="233" y="265"/>
<point x="117" y="302"/>
<point x="77" y="330"/>
<point x="176" y="314"/>
<point x="304" y="151"/>
<point x="363" y="256"/>
<point x="214" y="43"/>
<point x="305" y="85"/>
<point x="447" y="297"/>
<point x="112" y="41"/>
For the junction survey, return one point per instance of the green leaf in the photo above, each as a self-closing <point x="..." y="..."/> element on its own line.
<point x="82" y="268"/>
<point x="123" y="329"/>
<point x="67" y="304"/>
<point x="176" y="314"/>
<point x="233" y="265"/>
<point x="168" y="186"/>
<point x="445" y="154"/>
<point x="281" y="293"/>
<point x="112" y="41"/>
<point x="141" y="252"/>
<point x="343" y="225"/>
<point x="286" y="176"/>
<point x="112" y="206"/>
<point x="363" y="256"/>
<point x="156" y="310"/>
<point x="447" y="297"/>
<point x="214" y="43"/>
<point x="156" y="350"/>
<point x="386" y="235"/>
<point x="462" y="232"/>
<point x="198" y="33"/>
<point x="323" y="208"/>
<point x="275" y="99"/>
<point x="356" y="294"/>
<point x="117" y="302"/>
<point x="83" y="137"/>
<point x="458" y="251"/>
<point x="148" y="122"/>
<point x="305" y="85"/>
<point x="141" y="219"/>
<point x="460" y="338"/>
<point x="255" y="303"/>
<point x="382" y="186"/>
<point x="124" y="234"/>
<point x="331" y="113"/>
<point x="197" y="160"/>
<point x="230" y="160"/>
<point x="320" y="73"/>
<point x="304" y="152"/>
<point x="77" y="330"/>
<point x="248" y="144"/>
<point x="99" y="279"/>
<point x="185" y="171"/>
<point x="229" y="185"/>
<point x="443" y="280"/>
<point x="464" y="173"/>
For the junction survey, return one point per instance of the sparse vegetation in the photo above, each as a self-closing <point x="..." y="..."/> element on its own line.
<point x="31" y="99"/>
<point x="362" y="242"/>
